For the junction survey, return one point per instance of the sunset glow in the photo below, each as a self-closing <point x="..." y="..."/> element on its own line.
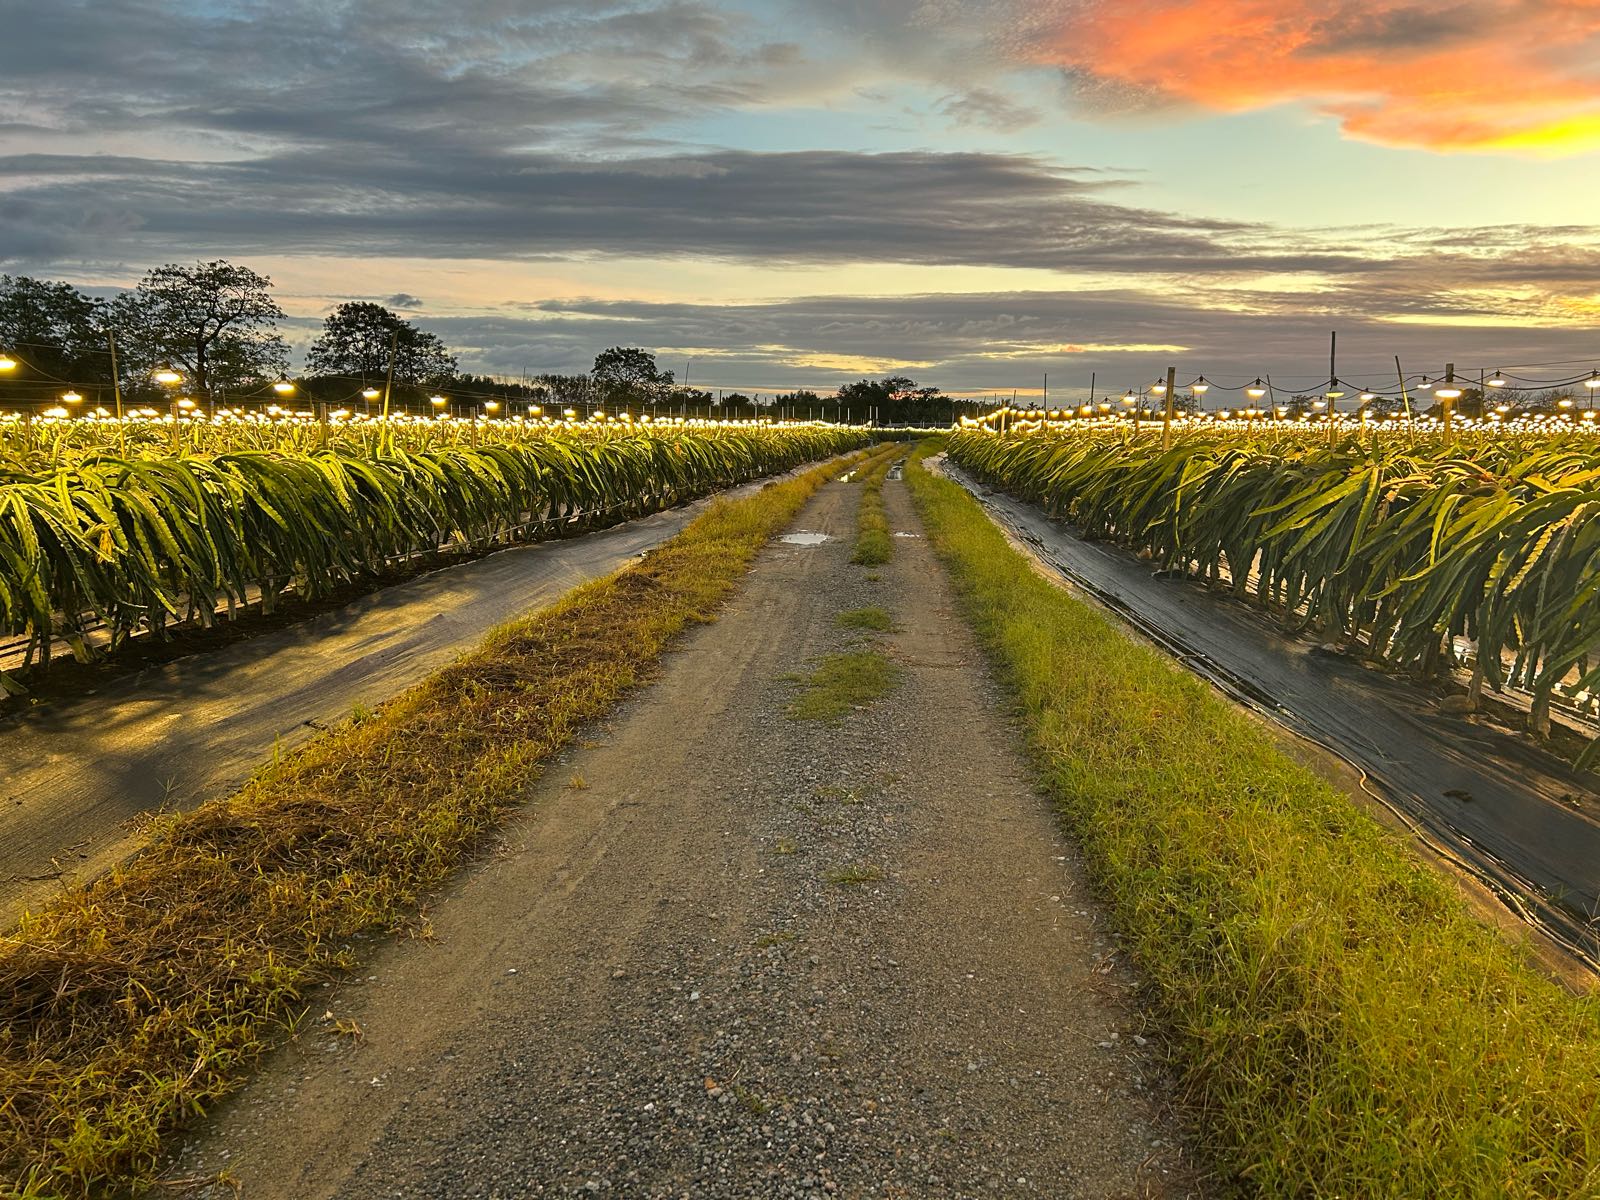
<point x="1486" y="75"/>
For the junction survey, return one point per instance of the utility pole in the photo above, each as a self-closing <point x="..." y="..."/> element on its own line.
<point x="1333" y="380"/>
<point x="1448" y="402"/>
<point x="116" y="390"/>
<point x="1166" y="416"/>
<point x="388" y="387"/>
<point x="1405" y="396"/>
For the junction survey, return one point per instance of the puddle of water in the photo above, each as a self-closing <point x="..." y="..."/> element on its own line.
<point x="805" y="539"/>
<point x="910" y="535"/>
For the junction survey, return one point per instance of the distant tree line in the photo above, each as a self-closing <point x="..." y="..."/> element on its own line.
<point x="215" y="325"/>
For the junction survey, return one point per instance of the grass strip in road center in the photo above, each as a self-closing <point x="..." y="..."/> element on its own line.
<point x="1345" y="1026"/>
<point x="131" y="1004"/>
<point x="873" y="544"/>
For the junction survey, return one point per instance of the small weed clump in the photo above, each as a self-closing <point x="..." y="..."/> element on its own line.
<point x="873" y="620"/>
<point x="843" y="683"/>
<point x="854" y="876"/>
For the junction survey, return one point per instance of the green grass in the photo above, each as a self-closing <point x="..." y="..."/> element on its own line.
<point x="841" y="683"/>
<point x="854" y="876"/>
<point x="874" y="546"/>
<point x="838" y="795"/>
<point x="1344" y="1025"/>
<point x="873" y="619"/>
<point x="132" y="1004"/>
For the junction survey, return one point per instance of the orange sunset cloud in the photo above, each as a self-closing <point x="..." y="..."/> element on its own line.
<point x="1520" y="75"/>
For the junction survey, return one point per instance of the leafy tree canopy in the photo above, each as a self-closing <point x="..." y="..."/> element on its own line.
<point x="623" y="373"/>
<point x="214" y="322"/>
<point x="54" y="329"/>
<point x="357" y="338"/>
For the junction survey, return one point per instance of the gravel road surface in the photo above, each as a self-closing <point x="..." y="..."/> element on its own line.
<point x="724" y="953"/>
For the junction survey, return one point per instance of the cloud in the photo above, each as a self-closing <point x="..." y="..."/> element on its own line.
<point x="997" y="341"/>
<point x="402" y="300"/>
<point x="809" y="207"/>
<point x="1440" y="74"/>
<point x="985" y="108"/>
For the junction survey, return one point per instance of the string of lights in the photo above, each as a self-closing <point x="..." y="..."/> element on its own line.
<point x="505" y="394"/>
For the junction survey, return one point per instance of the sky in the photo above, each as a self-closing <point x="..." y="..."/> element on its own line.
<point x="774" y="194"/>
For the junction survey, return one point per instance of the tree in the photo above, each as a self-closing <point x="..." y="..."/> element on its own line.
<point x="215" y="322"/>
<point x="57" y="331"/>
<point x="897" y="401"/>
<point x="629" y="374"/>
<point x="356" y="340"/>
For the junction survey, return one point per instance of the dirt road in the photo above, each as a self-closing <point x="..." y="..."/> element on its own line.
<point x="725" y="953"/>
<point x="77" y="776"/>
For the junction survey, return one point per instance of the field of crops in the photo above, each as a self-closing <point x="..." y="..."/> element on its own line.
<point x="1420" y="550"/>
<point x="103" y="526"/>
<point x="33" y="444"/>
